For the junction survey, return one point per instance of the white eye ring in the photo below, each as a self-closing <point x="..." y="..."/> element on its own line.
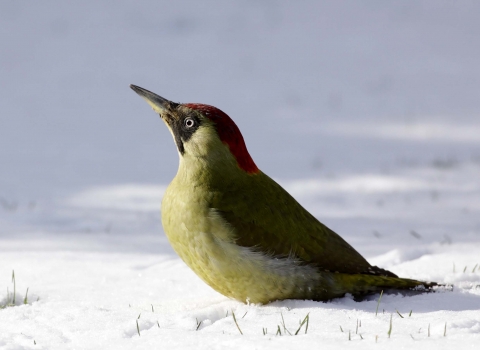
<point x="189" y="122"/>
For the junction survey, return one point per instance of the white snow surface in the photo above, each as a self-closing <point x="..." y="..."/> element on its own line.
<point x="367" y="112"/>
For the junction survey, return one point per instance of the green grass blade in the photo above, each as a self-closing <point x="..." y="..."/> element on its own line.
<point x="235" y="319"/>
<point x="378" y="303"/>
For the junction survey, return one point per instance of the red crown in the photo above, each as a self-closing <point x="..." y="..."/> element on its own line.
<point x="229" y="134"/>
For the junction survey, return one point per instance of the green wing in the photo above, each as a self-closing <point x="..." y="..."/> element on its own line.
<point x="278" y="225"/>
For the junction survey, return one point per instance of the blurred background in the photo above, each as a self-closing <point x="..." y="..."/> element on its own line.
<point x="320" y="89"/>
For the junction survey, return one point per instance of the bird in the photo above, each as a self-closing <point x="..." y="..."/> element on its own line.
<point x="240" y="231"/>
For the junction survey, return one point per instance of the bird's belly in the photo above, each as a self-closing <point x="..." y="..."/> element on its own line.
<point x="206" y="244"/>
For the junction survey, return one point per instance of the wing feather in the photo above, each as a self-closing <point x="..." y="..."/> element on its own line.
<point x="281" y="227"/>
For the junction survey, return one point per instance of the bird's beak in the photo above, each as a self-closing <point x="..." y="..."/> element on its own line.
<point x="159" y="104"/>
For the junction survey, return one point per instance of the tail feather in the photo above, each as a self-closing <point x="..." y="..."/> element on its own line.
<point x="361" y="284"/>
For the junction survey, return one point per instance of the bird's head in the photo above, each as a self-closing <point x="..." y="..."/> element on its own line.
<point x="202" y="132"/>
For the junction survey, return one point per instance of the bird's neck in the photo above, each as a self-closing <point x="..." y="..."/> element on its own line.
<point x="218" y="169"/>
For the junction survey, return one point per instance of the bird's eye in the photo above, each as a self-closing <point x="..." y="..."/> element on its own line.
<point x="189" y="122"/>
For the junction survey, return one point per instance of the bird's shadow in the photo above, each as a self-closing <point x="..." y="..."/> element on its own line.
<point x="458" y="299"/>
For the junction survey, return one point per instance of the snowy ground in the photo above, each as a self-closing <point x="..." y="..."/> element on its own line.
<point x="367" y="112"/>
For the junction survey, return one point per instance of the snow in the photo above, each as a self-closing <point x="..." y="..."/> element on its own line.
<point x="366" y="112"/>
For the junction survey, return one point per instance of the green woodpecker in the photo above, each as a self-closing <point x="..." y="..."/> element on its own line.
<point x="240" y="231"/>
